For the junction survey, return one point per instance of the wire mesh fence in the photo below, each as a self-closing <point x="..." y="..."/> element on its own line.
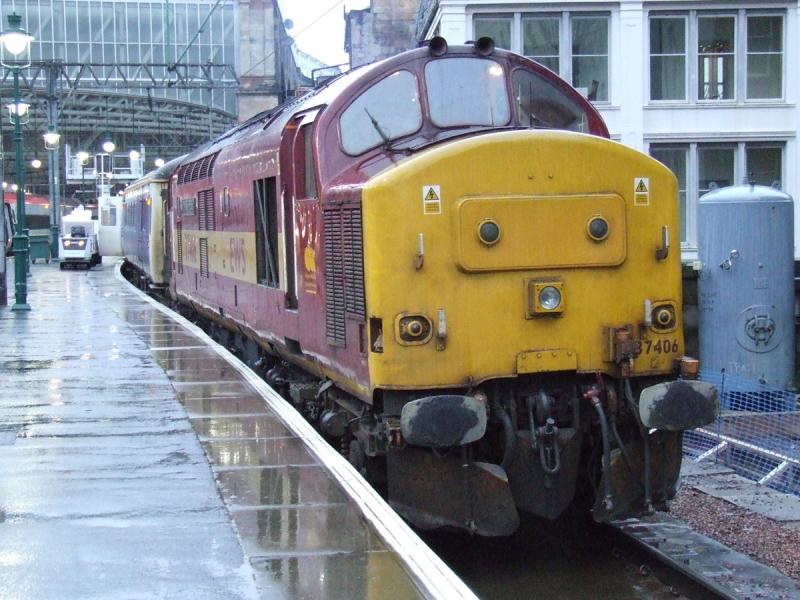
<point x="757" y="433"/>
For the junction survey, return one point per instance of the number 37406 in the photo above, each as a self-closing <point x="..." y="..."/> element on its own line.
<point x="660" y="346"/>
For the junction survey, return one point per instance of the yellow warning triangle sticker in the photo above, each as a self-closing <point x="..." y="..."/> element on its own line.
<point x="431" y="196"/>
<point x="641" y="188"/>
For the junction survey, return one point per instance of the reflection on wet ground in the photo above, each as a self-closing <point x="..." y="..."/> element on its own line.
<point x="99" y="446"/>
<point x="302" y="536"/>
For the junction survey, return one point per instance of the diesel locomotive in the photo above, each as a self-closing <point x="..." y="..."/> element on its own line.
<point x="444" y="261"/>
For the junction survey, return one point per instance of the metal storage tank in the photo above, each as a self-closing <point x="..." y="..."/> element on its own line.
<point x="746" y="284"/>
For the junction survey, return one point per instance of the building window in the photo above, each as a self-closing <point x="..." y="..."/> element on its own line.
<point x="701" y="167"/>
<point x="668" y="58"/>
<point x="754" y="42"/>
<point x="765" y="57"/>
<point x="590" y="56"/>
<point x="716" y="45"/>
<point x="497" y="28"/>
<point x="572" y="44"/>
<point x="764" y="163"/>
<point x="540" y="40"/>
<point x="676" y="159"/>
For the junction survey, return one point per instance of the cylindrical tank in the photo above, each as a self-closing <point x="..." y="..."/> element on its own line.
<point x="746" y="285"/>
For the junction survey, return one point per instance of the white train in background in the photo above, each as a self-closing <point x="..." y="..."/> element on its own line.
<point x="79" y="240"/>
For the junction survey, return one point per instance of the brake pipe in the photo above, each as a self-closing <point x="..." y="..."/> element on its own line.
<point x="593" y="396"/>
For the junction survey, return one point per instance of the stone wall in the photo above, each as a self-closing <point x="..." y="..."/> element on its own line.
<point x="266" y="65"/>
<point x="386" y="28"/>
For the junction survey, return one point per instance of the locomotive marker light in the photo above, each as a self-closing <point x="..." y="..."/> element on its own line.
<point x="15" y="55"/>
<point x="597" y="228"/>
<point x="489" y="232"/>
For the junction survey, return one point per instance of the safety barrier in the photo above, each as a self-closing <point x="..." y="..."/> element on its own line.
<point x="757" y="433"/>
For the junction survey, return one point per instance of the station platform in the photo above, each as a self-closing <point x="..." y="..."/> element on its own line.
<point x="140" y="459"/>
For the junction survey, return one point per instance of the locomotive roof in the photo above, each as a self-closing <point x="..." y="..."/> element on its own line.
<point x="162" y="173"/>
<point x="328" y="91"/>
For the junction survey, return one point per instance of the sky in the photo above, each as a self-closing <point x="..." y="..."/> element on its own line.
<point x="319" y="26"/>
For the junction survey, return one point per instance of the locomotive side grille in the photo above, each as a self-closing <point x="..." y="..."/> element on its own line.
<point x="344" y="270"/>
<point x="353" y="251"/>
<point x="203" y="257"/>
<point x="205" y="202"/>
<point x="179" y="240"/>
<point x="197" y="169"/>
<point x="334" y="278"/>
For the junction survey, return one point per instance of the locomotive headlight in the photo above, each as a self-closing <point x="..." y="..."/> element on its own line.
<point x="81" y="243"/>
<point x="549" y="298"/>
<point x="545" y="297"/>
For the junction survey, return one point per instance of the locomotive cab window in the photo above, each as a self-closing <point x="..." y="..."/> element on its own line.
<point x="467" y="92"/>
<point x="388" y="110"/>
<point x="305" y="174"/>
<point x="541" y="105"/>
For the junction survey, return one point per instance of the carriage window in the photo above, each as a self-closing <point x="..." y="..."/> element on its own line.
<point x="467" y="91"/>
<point x="540" y="104"/>
<point x="386" y="111"/>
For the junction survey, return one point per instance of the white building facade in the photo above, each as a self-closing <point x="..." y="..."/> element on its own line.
<point x="708" y="88"/>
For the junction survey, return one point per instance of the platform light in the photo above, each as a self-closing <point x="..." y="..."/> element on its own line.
<point x="36" y="163"/>
<point x="82" y="156"/>
<point x="51" y="140"/>
<point x="109" y="146"/>
<point x="159" y="162"/>
<point x="16" y="44"/>
<point x="20" y="108"/>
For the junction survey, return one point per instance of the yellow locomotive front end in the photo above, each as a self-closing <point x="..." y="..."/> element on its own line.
<point x="524" y="306"/>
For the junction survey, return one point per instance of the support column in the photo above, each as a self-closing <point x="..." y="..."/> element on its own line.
<point x="52" y="125"/>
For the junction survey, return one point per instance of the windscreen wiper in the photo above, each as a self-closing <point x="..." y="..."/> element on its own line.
<point x="377" y="127"/>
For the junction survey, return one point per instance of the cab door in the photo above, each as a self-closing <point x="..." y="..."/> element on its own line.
<point x="298" y="185"/>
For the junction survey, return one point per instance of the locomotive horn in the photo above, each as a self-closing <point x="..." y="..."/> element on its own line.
<point x="484" y="46"/>
<point x="437" y="46"/>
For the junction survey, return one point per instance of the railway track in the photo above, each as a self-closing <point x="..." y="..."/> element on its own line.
<point x="657" y="557"/>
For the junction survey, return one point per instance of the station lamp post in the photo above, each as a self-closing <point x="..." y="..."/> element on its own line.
<point x="51" y="141"/>
<point x="15" y="55"/>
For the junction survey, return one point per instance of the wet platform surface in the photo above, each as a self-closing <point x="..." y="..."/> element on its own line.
<point x="136" y="461"/>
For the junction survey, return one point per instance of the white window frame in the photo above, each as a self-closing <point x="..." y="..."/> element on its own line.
<point x="693" y="171"/>
<point x="740" y="56"/>
<point x="565" y="36"/>
<point x="687" y="84"/>
<point x="746" y="55"/>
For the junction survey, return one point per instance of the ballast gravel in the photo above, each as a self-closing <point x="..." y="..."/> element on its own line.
<point x="759" y="537"/>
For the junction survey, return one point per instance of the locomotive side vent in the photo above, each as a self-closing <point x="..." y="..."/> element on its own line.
<point x="344" y="270"/>
<point x="205" y="208"/>
<point x="179" y="243"/>
<point x="203" y="257"/>
<point x="197" y="169"/>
